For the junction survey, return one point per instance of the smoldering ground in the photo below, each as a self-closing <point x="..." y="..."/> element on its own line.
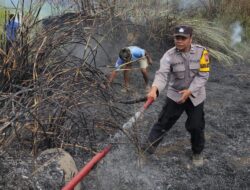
<point x="227" y="154"/>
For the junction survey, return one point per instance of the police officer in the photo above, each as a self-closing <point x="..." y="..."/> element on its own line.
<point x="185" y="68"/>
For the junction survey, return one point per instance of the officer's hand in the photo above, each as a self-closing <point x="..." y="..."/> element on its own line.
<point x="152" y="93"/>
<point x="184" y="96"/>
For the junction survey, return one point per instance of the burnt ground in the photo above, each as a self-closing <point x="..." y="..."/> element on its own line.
<point x="227" y="152"/>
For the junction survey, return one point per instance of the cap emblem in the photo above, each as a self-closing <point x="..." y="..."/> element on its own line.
<point x="181" y="30"/>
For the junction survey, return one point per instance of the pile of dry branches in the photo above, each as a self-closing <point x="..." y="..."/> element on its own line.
<point x="52" y="93"/>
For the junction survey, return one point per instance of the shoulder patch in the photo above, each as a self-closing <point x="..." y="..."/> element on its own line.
<point x="204" y="62"/>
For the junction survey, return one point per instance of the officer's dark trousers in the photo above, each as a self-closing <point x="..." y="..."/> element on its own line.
<point x="170" y="113"/>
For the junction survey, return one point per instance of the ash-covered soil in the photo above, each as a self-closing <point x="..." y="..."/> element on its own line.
<point x="227" y="152"/>
<point x="125" y="167"/>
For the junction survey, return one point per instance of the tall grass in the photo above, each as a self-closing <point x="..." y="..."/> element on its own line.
<point x="2" y="18"/>
<point x="216" y="38"/>
<point x="2" y="24"/>
<point x="160" y="17"/>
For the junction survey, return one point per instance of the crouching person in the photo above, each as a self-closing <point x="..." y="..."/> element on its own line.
<point x="129" y="56"/>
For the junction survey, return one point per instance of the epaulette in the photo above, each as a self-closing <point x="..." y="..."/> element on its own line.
<point x="171" y="51"/>
<point x="199" y="46"/>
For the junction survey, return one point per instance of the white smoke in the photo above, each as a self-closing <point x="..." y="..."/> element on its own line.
<point x="186" y="4"/>
<point x="236" y="36"/>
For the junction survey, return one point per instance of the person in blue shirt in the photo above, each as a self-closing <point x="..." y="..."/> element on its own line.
<point x="129" y="56"/>
<point x="11" y="31"/>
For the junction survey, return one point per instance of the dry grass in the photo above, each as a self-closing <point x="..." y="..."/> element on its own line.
<point x="216" y="39"/>
<point x="160" y="19"/>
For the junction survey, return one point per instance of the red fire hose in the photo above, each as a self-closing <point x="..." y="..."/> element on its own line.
<point x="86" y="169"/>
<point x="148" y="102"/>
<point x="78" y="177"/>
